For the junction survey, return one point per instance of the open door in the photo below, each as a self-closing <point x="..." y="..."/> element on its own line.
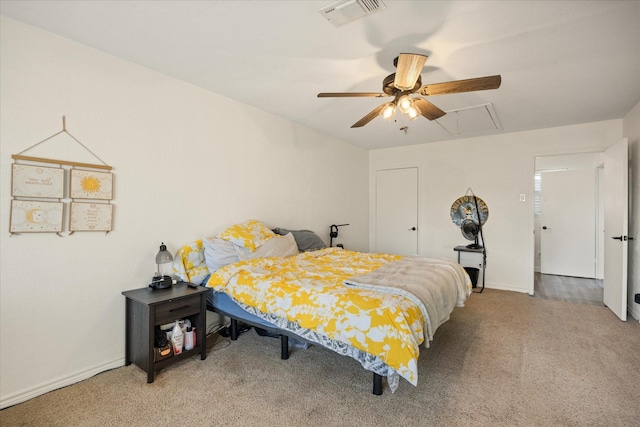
<point x="616" y="227"/>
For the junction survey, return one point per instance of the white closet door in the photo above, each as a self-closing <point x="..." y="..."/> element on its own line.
<point x="568" y="223"/>
<point x="397" y="211"/>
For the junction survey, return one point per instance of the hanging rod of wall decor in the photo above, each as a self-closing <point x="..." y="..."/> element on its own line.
<point x="59" y="162"/>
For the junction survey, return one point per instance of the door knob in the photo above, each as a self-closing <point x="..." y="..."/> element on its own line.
<point x="544" y="227"/>
<point x="412" y="229"/>
<point x="617" y="238"/>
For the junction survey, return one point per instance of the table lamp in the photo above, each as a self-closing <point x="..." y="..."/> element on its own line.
<point x="159" y="281"/>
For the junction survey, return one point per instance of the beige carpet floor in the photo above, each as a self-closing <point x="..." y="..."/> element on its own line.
<point x="505" y="359"/>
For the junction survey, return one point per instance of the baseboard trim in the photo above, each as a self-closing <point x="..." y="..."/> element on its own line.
<point x="44" y="388"/>
<point x="634" y="314"/>
<point x="504" y="288"/>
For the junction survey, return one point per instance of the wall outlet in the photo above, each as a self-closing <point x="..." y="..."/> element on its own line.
<point x="637" y="298"/>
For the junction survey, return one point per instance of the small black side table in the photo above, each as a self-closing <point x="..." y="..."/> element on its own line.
<point x="477" y="251"/>
<point x="147" y="308"/>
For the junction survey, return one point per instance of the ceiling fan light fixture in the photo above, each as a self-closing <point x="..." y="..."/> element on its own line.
<point x="413" y="112"/>
<point x="409" y="67"/>
<point x="405" y="103"/>
<point x="388" y="111"/>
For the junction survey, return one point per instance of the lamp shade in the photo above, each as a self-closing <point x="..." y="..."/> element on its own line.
<point x="405" y="103"/>
<point x="388" y="110"/>
<point x="413" y="112"/>
<point x="164" y="255"/>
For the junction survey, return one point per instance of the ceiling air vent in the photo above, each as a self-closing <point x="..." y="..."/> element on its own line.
<point x="344" y="11"/>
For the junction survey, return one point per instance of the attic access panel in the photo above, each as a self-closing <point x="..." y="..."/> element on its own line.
<point x="470" y="121"/>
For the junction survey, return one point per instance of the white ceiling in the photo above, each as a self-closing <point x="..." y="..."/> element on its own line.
<point x="561" y="62"/>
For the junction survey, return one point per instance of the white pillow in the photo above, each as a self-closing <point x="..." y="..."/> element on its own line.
<point x="276" y="246"/>
<point x="218" y="253"/>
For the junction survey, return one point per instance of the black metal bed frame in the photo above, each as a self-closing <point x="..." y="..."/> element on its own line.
<point x="284" y="342"/>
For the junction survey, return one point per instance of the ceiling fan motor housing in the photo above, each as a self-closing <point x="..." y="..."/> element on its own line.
<point x="389" y="88"/>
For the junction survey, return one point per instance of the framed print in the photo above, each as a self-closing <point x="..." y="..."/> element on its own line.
<point x="91" y="185"/>
<point x="37" y="181"/>
<point x="91" y="217"/>
<point x="30" y="216"/>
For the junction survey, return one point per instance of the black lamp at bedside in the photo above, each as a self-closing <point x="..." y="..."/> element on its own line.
<point x="333" y="233"/>
<point x="159" y="281"/>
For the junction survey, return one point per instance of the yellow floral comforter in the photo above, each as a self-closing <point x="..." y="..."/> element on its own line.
<point x="308" y="290"/>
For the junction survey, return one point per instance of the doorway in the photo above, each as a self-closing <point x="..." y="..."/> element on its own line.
<point x="568" y="239"/>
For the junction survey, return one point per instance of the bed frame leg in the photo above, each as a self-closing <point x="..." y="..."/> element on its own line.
<point x="234" y="329"/>
<point x="377" y="384"/>
<point x="284" y="347"/>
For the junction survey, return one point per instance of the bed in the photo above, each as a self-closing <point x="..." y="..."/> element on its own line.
<point x="376" y="308"/>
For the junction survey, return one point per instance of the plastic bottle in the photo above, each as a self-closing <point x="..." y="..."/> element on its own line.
<point x="177" y="338"/>
<point x="188" y="339"/>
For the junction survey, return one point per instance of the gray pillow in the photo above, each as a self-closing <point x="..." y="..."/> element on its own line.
<point x="306" y="240"/>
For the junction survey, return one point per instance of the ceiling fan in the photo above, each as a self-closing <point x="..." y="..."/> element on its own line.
<point x="407" y="81"/>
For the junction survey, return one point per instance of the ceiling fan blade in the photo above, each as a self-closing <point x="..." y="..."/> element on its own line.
<point x="366" y="119"/>
<point x="458" y="86"/>
<point x="428" y="110"/>
<point x="409" y="67"/>
<point x="351" y="94"/>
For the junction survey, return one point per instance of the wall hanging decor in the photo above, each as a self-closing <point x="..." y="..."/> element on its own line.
<point x="90" y="217"/>
<point x="33" y="186"/>
<point x="469" y="213"/>
<point x="33" y="216"/>
<point x="87" y="184"/>
<point x="37" y="181"/>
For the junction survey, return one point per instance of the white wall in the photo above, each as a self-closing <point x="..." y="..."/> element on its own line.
<point x="187" y="163"/>
<point x="498" y="168"/>
<point x="631" y="130"/>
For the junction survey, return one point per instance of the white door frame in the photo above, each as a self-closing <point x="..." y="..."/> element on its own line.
<point x="600" y="223"/>
<point x="532" y="219"/>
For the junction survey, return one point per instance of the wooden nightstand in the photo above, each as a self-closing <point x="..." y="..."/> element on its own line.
<point x="147" y="308"/>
